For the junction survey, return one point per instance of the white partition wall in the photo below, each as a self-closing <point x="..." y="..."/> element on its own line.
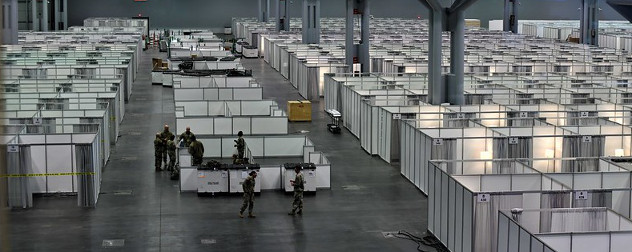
<point x="464" y="203"/>
<point x="564" y="230"/>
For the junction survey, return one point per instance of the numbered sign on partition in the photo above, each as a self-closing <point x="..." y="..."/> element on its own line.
<point x="397" y="116"/>
<point x="460" y="116"/>
<point x="584" y="114"/>
<point x="513" y="140"/>
<point x="581" y="195"/>
<point x="586" y="139"/>
<point x="524" y="114"/>
<point x="13" y="148"/>
<point x="484" y="198"/>
<point x="437" y="141"/>
<point x="37" y="120"/>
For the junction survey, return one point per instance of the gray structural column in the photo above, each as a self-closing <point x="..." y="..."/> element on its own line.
<point x="589" y="22"/>
<point x="35" y="21"/>
<point x="64" y="14"/>
<point x="44" y="15"/>
<point x="10" y="22"/>
<point x="283" y="15"/>
<point x="358" y="53"/>
<point x="57" y="11"/>
<point x="510" y="17"/>
<point x="264" y="10"/>
<point x="446" y="89"/>
<point x="311" y="21"/>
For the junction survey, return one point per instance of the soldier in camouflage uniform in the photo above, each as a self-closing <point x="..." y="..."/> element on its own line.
<point x="158" y="146"/>
<point x="299" y="187"/>
<point x="171" y="149"/>
<point x="185" y="137"/>
<point x="240" y="143"/>
<point x="249" y="195"/>
<point x="165" y="135"/>
<point x="196" y="149"/>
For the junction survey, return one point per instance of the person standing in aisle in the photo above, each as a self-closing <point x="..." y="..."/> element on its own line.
<point x="249" y="195"/>
<point x="196" y="149"/>
<point x="240" y="143"/>
<point x="185" y="137"/>
<point x="299" y="187"/>
<point x="166" y="135"/>
<point x="171" y="149"/>
<point x="158" y="146"/>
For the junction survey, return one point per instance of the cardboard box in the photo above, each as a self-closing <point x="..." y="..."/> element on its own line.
<point x="299" y="111"/>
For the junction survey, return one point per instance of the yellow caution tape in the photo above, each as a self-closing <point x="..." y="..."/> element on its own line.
<point x="46" y="174"/>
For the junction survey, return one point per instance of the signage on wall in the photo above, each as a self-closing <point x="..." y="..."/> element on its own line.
<point x="524" y="114"/>
<point x="581" y="195"/>
<point x="483" y="198"/>
<point x="586" y="139"/>
<point x="397" y="116"/>
<point x="437" y="141"/>
<point x="584" y="114"/>
<point x="513" y="140"/>
<point x="37" y="120"/>
<point x="13" y="148"/>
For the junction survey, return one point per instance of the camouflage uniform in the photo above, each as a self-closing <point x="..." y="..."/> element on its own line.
<point x="158" y="146"/>
<point x="241" y="145"/>
<point x="171" y="149"/>
<point x="186" y="138"/>
<point x="165" y="135"/>
<point x="196" y="149"/>
<point x="299" y="187"/>
<point x="249" y="195"/>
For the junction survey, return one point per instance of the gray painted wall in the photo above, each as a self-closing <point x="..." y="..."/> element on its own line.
<point x="218" y="13"/>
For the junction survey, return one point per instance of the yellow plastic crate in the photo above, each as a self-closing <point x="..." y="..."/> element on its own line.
<point x="299" y="111"/>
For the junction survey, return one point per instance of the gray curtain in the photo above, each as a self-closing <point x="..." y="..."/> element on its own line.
<point x="457" y="120"/>
<point x="486" y="214"/>
<point x="575" y="146"/>
<point x="514" y="119"/>
<point x="87" y="190"/>
<point x="575" y="119"/>
<point x="503" y="149"/>
<point x="446" y="151"/>
<point x="595" y="199"/>
<point x="19" y="188"/>
<point x="593" y="220"/>
<point x="551" y="200"/>
<point x="477" y="99"/>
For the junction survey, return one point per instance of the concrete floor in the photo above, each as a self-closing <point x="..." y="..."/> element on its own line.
<point x="144" y="210"/>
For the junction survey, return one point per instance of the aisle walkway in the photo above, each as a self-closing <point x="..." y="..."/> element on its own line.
<point x="144" y="210"/>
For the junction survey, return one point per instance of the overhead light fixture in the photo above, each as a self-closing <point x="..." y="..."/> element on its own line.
<point x="486" y="155"/>
<point x="619" y="152"/>
<point x="549" y="153"/>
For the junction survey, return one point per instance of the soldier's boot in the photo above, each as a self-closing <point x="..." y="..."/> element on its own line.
<point x="291" y="213"/>
<point x="250" y="215"/>
<point x="241" y="214"/>
<point x="300" y="212"/>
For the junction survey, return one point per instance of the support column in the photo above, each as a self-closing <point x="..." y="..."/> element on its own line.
<point x="57" y="11"/>
<point x="10" y="22"/>
<point x="264" y="10"/>
<point x="589" y="22"/>
<point x="436" y="89"/>
<point x="358" y="53"/>
<point x="44" y="15"/>
<point x="449" y="88"/>
<point x="34" y="16"/>
<point x="64" y="14"/>
<point x="283" y="15"/>
<point x="311" y="21"/>
<point x="455" y="90"/>
<point x="510" y="19"/>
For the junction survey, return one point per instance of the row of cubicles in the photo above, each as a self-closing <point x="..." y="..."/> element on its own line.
<point x="64" y="97"/>
<point x="216" y="106"/>
<point x="545" y="127"/>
